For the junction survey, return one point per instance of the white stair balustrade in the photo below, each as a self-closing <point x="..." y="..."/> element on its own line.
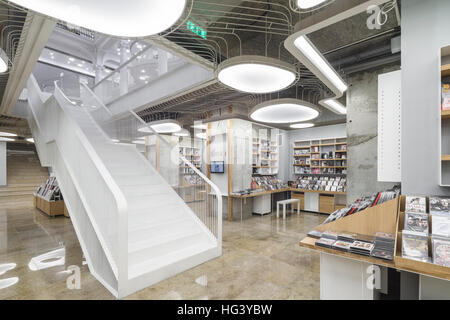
<point x="133" y="226"/>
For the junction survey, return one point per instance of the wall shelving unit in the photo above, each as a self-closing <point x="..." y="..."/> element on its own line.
<point x="265" y="152"/>
<point x="320" y="157"/>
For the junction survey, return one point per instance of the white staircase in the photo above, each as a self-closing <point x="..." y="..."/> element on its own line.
<point x="134" y="229"/>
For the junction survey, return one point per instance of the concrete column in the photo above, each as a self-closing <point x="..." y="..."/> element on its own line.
<point x="2" y="163"/>
<point x="362" y="134"/>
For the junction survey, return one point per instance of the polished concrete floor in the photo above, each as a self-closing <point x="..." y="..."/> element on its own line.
<point x="261" y="260"/>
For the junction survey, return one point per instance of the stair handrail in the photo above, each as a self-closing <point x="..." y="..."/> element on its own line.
<point x="213" y="186"/>
<point x="122" y="206"/>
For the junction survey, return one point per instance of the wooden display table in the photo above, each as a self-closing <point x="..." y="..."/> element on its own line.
<point x="51" y="208"/>
<point x="387" y="217"/>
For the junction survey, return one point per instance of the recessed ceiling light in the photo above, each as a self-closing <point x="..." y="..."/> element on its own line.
<point x="306" y="4"/>
<point x="7" y="134"/>
<point x="138" y="141"/>
<point x="3" y="61"/>
<point x="256" y="74"/>
<point x="181" y="133"/>
<point x="31" y="140"/>
<point x="3" y="139"/>
<point x="143" y="70"/>
<point x="317" y="61"/>
<point x="284" y="111"/>
<point x="335" y="106"/>
<point x="301" y="125"/>
<point x="162" y="126"/>
<point x="71" y="59"/>
<point x="80" y="65"/>
<point x="122" y="18"/>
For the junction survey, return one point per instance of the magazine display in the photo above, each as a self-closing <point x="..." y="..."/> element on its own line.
<point x="342" y="245"/>
<point x="440" y="225"/>
<point x="325" y="242"/>
<point x="384" y="246"/>
<point x="417" y="222"/>
<point x="415" y="246"/>
<point x="362" y="248"/>
<point x="440" y="205"/>
<point x="416" y="204"/>
<point x="315" y="234"/>
<point x="364" y="203"/>
<point x="49" y="190"/>
<point x="441" y="252"/>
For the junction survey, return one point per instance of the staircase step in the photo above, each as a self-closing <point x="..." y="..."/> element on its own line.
<point x="137" y="233"/>
<point x="158" y="244"/>
<point x="150" y="265"/>
<point x="143" y="219"/>
<point x="158" y="203"/>
<point x="143" y="190"/>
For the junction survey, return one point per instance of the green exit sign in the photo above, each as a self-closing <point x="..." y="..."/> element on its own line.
<point x="191" y="26"/>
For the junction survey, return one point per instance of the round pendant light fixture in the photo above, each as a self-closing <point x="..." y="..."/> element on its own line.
<point x="181" y="133"/>
<point x="302" y="125"/>
<point x="284" y="111"/>
<point x="162" y="126"/>
<point x="308" y="4"/>
<point x="256" y="74"/>
<point x="121" y="18"/>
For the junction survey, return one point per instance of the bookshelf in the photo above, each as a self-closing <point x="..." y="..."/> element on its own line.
<point x="265" y="151"/>
<point x="320" y="157"/>
<point x="194" y="155"/>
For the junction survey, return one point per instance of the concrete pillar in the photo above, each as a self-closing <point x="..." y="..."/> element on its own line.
<point x="2" y="163"/>
<point x="362" y="134"/>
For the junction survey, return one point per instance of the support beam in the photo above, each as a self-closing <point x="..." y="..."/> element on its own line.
<point x="35" y="34"/>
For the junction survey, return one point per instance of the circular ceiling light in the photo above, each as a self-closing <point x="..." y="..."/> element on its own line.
<point x="256" y="74"/>
<point x="284" y="111"/>
<point x="163" y="126"/>
<point x="201" y="135"/>
<point x="122" y="18"/>
<point x="30" y="140"/>
<point x="307" y="4"/>
<point x="7" y="134"/>
<point x="3" y="61"/>
<point x="2" y="139"/>
<point x="200" y="126"/>
<point x="302" y="125"/>
<point x="181" y="133"/>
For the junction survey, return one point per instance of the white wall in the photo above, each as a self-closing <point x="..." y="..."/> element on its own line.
<point x="2" y="163"/>
<point x="425" y="29"/>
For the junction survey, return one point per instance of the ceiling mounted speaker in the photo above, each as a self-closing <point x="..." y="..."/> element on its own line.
<point x="256" y="74"/>
<point x="284" y="111"/>
<point x="122" y="18"/>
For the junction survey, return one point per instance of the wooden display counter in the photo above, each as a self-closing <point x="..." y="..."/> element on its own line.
<point x="51" y="208"/>
<point x="387" y="217"/>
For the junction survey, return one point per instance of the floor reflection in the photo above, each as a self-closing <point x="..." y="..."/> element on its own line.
<point x="261" y="260"/>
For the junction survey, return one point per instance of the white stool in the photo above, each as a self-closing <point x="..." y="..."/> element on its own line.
<point x="284" y="203"/>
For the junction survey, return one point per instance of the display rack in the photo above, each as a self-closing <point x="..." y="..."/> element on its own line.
<point x="387" y="217"/>
<point x="320" y="157"/>
<point x="192" y="154"/>
<point x="265" y="152"/>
